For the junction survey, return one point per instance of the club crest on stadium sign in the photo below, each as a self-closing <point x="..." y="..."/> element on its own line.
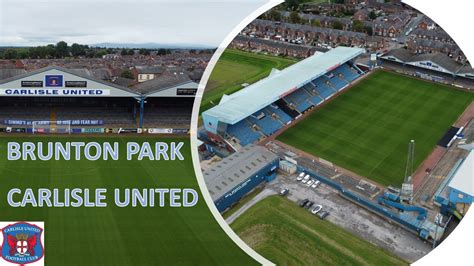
<point x="22" y="243"/>
<point x="53" y="80"/>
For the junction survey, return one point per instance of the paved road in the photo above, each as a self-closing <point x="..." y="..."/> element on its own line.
<point x="265" y="193"/>
<point x="410" y="25"/>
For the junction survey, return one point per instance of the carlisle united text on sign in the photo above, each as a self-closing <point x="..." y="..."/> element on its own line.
<point x="54" y="92"/>
<point x="52" y="85"/>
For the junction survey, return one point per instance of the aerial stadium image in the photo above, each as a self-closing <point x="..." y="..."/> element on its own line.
<point x="340" y="132"/>
<point x="71" y="92"/>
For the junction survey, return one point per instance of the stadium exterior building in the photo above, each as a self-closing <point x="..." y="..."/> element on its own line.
<point x="238" y="174"/>
<point x="435" y="67"/>
<point x="55" y="95"/>
<point x="461" y="186"/>
<point x="456" y="194"/>
<point x="264" y="107"/>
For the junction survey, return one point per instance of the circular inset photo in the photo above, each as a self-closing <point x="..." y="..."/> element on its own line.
<point x="341" y="133"/>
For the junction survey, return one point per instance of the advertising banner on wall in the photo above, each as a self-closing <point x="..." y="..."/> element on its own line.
<point x="160" y="131"/>
<point x="93" y="130"/>
<point x="77" y="122"/>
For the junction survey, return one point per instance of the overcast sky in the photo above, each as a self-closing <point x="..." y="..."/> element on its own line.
<point x="196" y="22"/>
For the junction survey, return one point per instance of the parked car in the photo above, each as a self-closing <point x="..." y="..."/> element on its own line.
<point x="305" y="179"/>
<point x="284" y="192"/>
<point x="316" y="209"/>
<point x="309" y="204"/>
<point x="323" y="214"/>
<point x="303" y="202"/>
<point x="310" y="182"/>
<point x="316" y="184"/>
<point x="300" y="176"/>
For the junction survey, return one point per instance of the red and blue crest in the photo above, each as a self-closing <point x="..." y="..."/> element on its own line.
<point x="53" y="80"/>
<point x="22" y="243"/>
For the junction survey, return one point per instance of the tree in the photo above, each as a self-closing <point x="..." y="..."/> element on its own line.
<point x="90" y="53"/>
<point x="316" y="23"/>
<point x="161" y="51"/>
<point x="77" y="50"/>
<point x="23" y="54"/>
<point x="274" y="15"/>
<point x="292" y="4"/>
<point x="101" y="53"/>
<point x="10" y="54"/>
<point x="349" y="12"/>
<point x="295" y="17"/>
<point x="49" y="51"/>
<point x="34" y="53"/>
<point x="127" y="74"/>
<point x="372" y="15"/>
<point x="337" y="25"/>
<point x="62" y="50"/>
<point x="131" y="52"/>
<point x="124" y="52"/>
<point x="358" y="26"/>
<point x="369" y="30"/>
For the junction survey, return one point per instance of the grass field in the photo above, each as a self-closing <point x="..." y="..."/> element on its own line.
<point x="289" y="235"/>
<point x="367" y="129"/>
<point x="113" y="235"/>
<point x="244" y="200"/>
<point x="235" y="68"/>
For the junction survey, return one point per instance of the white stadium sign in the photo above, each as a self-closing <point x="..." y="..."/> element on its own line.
<point x="58" y="82"/>
<point x="54" y="92"/>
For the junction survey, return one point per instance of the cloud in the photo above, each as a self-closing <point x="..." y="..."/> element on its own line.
<point x="40" y="22"/>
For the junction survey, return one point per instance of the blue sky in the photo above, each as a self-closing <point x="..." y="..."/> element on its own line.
<point x="40" y="22"/>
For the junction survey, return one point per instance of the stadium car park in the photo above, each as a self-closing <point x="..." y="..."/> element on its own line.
<point x="246" y="123"/>
<point x="351" y="217"/>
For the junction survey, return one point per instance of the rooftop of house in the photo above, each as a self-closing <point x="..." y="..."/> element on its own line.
<point x="162" y="82"/>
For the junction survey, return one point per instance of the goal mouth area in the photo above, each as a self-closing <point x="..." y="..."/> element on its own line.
<point x="51" y="127"/>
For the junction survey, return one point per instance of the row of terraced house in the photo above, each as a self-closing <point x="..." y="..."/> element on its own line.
<point x="310" y="35"/>
<point x="276" y="48"/>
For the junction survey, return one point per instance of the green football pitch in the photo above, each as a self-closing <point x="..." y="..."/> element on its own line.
<point x="289" y="235"/>
<point x="113" y="235"/>
<point x="367" y="128"/>
<point x="235" y="68"/>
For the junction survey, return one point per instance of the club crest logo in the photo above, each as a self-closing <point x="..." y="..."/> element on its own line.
<point x="53" y="80"/>
<point x="22" y="243"/>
